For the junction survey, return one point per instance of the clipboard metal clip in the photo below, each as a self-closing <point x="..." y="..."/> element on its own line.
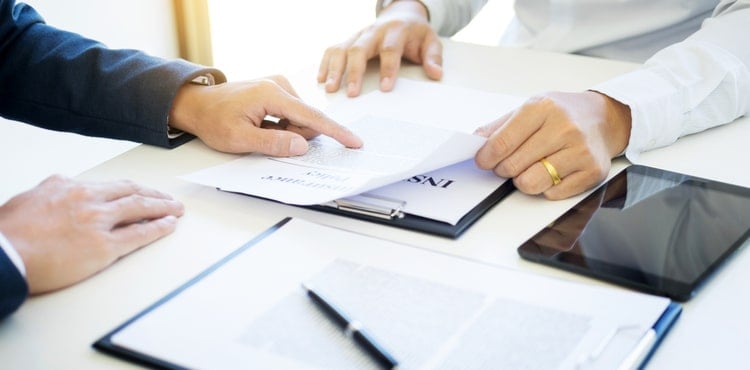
<point x="370" y="205"/>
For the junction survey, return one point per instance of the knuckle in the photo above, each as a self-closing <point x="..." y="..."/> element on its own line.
<point x="548" y="102"/>
<point x="266" y="84"/>
<point x="498" y="146"/>
<point x="79" y="192"/>
<point x="155" y="230"/>
<point x="545" y="102"/>
<point x="355" y="51"/>
<point x="595" y="168"/>
<point x="336" y="49"/>
<point x="355" y="70"/>
<point x="511" y="167"/>
<point x="524" y="184"/>
<point x="394" y="24"/>
<point x="56" y="179"/>
<point x="599" y="172"/>
<point x="539" y="99"/>
<point x="132" y="186"/>
<point x="86" y="215"/>
<point x="390" y="50"/>
<point x="278" y="79"/>
<point x="316" y="114"/>
<point x="555" y="194"/>
<point x="140" y="202"/>
<point x="389" y="68"/>
<point x="570" y="132"/>
<point x="146" y="230"/>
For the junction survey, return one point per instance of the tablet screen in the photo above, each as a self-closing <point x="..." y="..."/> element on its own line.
<point x="650" y="229"/>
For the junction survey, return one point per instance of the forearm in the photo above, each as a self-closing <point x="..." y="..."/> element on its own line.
<point x="62" y="81"/>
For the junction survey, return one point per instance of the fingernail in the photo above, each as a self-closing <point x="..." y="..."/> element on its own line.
<point x="297" y="146"/>
<point x="351" y="88"/>
<point x="385" y="83"/>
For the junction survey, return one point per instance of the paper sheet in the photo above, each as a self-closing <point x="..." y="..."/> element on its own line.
<point x="418" y="128"/>
<point x="432" y="311"/>
<point x="393" y="150"/>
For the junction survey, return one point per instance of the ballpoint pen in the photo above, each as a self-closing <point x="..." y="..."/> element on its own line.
<point x="353" y="329"/>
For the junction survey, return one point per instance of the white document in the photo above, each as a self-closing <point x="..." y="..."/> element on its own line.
<point x="415" y="129"/>
<point x="430" y="310"/>
<point x="392" y="151"/>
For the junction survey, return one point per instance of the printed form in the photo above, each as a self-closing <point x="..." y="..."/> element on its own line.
<point x="408" y="133"/>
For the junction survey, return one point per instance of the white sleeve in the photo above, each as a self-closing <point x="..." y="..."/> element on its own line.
<point x="12" y="254"/>
<point x="446" y="16"/>
<point x="690" y="86"/>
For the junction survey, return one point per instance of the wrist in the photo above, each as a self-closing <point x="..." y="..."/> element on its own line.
<point x="181" y="117"/>
<point x="413" y="7"/>
<point x="185" y="108"/>
<point x="617" y="124"/>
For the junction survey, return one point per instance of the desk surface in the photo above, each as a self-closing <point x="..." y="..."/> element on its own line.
<point x="56" y="330"/>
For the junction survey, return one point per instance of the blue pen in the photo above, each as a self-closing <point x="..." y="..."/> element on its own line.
<point x="352" y="329"/>
<point x="650" y="340"/>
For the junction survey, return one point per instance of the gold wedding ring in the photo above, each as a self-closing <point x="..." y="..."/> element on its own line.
<point x="551" y="170"/>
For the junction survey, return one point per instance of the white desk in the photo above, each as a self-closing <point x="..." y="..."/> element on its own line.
<point x="57" y="330"/>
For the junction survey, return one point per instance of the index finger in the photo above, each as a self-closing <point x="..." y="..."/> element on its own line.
<point x="509" y="137"/>
<point x="113" y="190"/>
<point x="305" y="116"/>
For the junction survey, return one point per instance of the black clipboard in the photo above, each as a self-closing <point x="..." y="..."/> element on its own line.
<point x="105" y="343"/>
<point x="636" y="357"/>
<point x="388" y="211"/>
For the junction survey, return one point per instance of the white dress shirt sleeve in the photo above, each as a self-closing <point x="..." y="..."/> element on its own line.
<point x="12" y="254"/>
<point x="690" y="86"/>
<point x="447" y="16"/>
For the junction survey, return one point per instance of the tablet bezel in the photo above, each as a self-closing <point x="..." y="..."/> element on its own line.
<point x="628" y="276"/>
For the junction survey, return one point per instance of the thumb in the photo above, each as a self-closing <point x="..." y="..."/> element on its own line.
<point x="273" y="142"/>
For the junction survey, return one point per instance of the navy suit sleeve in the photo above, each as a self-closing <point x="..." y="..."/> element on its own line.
<point x="13" y="288"/>
<point x="62" y="81"/>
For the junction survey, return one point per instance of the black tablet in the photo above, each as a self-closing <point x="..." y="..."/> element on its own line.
<point x="653" y="230"/>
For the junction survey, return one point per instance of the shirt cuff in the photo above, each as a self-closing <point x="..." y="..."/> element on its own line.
<point x="424" y="3"/>
<point x="12" y="254"/>
<point x="654" y="110"/>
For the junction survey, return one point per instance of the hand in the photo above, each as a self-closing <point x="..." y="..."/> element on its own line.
<point x="578" y="133"/>
<point x="401" y="30"/>
<point x="230" y="118"/>
<point x="66" y="231"/>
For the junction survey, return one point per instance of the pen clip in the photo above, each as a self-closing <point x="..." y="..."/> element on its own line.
<point x="370" y="205"/>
